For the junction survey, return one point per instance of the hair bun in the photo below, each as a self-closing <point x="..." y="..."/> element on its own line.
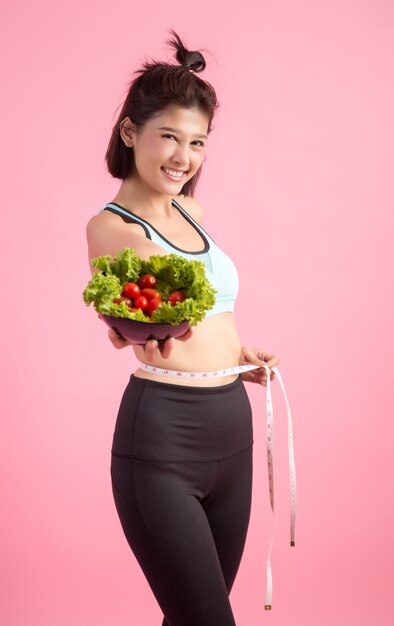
<point x="192" y="60"/>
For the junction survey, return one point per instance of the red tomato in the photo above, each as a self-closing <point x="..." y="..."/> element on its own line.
<point x="153" y="305"/>
<point x="140" y="302"/>
<point x="147" y="280"/>
<point x="130" y="290"/>
<point x="176" y="296"/>
<point x="122" y="299"/>
<point x="150" y="294"/>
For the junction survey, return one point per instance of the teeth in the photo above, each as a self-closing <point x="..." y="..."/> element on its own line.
<point x="173" y="172"/>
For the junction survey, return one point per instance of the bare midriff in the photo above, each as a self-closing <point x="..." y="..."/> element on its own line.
<point x="214" y="345"/>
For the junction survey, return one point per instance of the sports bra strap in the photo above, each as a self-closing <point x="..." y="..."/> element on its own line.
<point x="196" y="224"/>
<point x="114" y="208"/>
<point x="154" y="235"/>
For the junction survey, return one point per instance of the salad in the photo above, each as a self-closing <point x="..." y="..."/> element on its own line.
<point x="164" y="289"/>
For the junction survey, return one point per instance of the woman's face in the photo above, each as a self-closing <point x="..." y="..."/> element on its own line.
<point x="169" y="148"/>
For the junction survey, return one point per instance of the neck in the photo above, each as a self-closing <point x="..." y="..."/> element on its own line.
<point x="142" y="200"/>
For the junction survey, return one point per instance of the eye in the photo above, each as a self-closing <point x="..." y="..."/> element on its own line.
<point x="200" y="143"/>
<point x="169" y="135"/>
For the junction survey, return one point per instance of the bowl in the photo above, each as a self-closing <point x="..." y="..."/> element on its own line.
<point x="141" y="332"/>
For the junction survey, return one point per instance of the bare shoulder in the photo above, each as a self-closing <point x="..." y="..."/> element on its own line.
<point x="191" y="206"/>
<point x="107" y="233"/>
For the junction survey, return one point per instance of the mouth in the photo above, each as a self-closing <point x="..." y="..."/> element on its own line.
<point x="174" y="174"/>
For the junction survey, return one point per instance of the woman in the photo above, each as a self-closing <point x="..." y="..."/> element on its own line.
<point x="181" y="463"/>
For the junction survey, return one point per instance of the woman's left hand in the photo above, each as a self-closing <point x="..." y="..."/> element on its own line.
<point x="255" y="356"/>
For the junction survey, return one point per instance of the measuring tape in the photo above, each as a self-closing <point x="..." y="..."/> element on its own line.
<point x="270" y="444"/>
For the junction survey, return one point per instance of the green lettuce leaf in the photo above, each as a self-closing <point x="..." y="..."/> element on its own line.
<point x="172" y="272"/>
<point x="126" y="266"/>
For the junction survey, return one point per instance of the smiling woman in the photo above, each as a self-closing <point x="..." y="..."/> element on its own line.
<point x="181" y="464"/>
<point x="158" y="86"/>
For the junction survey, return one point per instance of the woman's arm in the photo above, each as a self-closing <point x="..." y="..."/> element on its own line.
<point x="106" y="236"/>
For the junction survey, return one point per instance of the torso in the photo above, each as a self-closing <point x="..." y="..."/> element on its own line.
<point x="215" y="343"/>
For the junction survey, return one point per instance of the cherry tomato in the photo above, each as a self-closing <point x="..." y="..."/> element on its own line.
<point x="150" y="294"/>
<point x="147" y="280"/>
<point x="153" y="305"/>
<point x="130" y="290"/>
<point x="140" y="302"/>
<point x="176" y="296"/>
<point x="122" y="299"/>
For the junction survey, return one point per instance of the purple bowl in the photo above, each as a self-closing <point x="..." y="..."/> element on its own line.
<point x="140" y="332"/>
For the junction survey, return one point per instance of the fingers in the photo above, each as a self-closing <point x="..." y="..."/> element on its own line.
<point x="186" y="335"/>
<point x="250" y="356"/>
<point x="266" y="359"/>
<point x="269" y="359"/>
<point x="257" y="357"/>
<point x="117" y="341"/>
<point x="257" y="376"/>
<point x="151" y="348"/>
<point x="167" y="347"/>
<point x="262" y="377"/>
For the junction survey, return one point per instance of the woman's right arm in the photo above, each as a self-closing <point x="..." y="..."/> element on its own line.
<point x="106" y="235"/>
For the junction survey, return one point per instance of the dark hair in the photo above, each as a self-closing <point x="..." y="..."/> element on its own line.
<point x="157" y="86"/>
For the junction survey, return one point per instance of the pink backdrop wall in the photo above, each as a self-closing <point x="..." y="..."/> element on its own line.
<point x="298" y="188"/>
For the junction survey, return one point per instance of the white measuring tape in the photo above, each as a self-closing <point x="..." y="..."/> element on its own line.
<point x="270" y="444"/>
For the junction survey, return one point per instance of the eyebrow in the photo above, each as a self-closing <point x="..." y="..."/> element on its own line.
<point x="176" y="130"/>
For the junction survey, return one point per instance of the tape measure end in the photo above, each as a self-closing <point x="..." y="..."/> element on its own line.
<point x="268" y="607"/>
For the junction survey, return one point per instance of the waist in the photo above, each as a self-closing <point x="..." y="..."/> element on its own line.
<point x="140" y="373"/>
<point x="214" y="344"/>
<point x="214" y="378"/>
<point x="159" y="375"/>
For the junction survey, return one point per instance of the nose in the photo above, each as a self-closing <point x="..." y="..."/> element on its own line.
<point x="181" y="156"/>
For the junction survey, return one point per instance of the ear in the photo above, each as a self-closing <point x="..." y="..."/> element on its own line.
<point x="127" y="131"/>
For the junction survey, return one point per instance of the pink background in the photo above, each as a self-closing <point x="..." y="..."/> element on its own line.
<point x="298" y="189"/>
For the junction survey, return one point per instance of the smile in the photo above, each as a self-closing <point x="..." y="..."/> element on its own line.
<point x="173" y="174"/>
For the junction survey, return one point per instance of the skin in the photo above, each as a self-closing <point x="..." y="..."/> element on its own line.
<point x="214" y="343"/>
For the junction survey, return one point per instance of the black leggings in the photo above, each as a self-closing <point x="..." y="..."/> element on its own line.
<point x="181" y="473"/>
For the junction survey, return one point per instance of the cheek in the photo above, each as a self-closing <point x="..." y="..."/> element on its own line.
<point x="150" y="153"/>
<point x="157" y="148"/>
<point x="151" y="143"/>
